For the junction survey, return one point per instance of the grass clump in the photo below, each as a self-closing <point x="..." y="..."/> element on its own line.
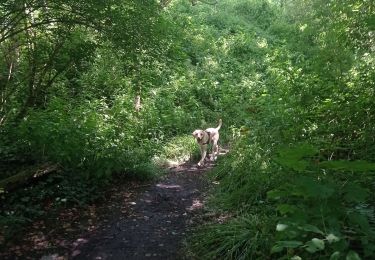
<point x="243" y="237"/>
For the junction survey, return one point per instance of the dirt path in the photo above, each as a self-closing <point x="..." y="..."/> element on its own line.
<point x="136" y="221"/>
<point x="155" y="223"/>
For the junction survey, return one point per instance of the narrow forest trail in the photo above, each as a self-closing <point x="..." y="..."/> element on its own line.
<point x="136" y="221"/>
<point x="154" y="224"/>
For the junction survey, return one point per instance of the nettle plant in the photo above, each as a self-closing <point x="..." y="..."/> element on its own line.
<point x="323" y="212"/>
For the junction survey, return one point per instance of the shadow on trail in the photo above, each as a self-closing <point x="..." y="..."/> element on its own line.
<point x="137" y="221"/>
<point x="155" y="222"/>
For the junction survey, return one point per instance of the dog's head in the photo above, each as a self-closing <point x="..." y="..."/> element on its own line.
<point x="198" y="134"/>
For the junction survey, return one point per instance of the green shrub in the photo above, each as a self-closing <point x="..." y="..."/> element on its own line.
<point x="323" y="213"/>
<point x="90" y="137"/>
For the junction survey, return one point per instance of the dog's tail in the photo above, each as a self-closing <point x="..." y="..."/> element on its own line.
<point x="220" y="122"/>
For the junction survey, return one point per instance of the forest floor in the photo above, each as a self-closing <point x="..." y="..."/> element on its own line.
<point x="136" y="221"/>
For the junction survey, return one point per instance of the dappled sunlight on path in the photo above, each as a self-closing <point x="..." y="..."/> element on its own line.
<point x="136" y="221"/>
<point x="157" y="221"/>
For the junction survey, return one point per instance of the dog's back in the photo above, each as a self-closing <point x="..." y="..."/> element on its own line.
<point x="214" y="132"/>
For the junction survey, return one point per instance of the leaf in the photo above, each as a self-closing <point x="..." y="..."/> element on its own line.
<point x="280" y="245"/>
<point x="311" y="228"/>
<point x="335" y="256"/>
<point x="354" y="192"/>
<point x="298" y="151"/>
<point x="311" y="188"/>
<point x="276" y="249"/>
<point x="331" y="238"/>
<point x="281" y="227"/>
<point x="291" y="157"/>
<point x="354" y="166"/>
<point x="360" y="220"/>
<point x="286" y="208"/>
<point x="315" y="245"/>
<point x="352" y="256"/>
<point x="275" y="194"/>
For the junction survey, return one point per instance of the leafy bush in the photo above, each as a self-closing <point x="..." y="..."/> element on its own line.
<point x="319" y="212"/>
<point x="323" y="219"/>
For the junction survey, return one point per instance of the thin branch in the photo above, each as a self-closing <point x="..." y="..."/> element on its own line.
<point x="12" y="20"/>
<point x="38" y="24"/>
<point x="48" y="64"/>
<point x="80" y="19"/>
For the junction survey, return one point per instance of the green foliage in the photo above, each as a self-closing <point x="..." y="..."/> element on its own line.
<point x="353" y="166"/>
<point x="292" y="80"/>
<point x="242" y="237"/>
<point x="20" y="208"/>
<point x="320" y="212"/>
<point x="68" y="85"/>
<point x="75" y="86"/>
<point x="177" y="150"/>
<point x="246" y="168"/>
<point x="305" y="125"/>
<point x="322" y="216"/>
<point x="293" y="157"/>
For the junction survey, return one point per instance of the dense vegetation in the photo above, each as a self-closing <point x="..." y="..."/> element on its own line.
<point x="105" y="90"/>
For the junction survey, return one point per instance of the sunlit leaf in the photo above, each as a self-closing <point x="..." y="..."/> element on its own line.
<point x="315" y="245"/>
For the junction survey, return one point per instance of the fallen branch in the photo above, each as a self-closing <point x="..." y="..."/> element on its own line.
<point x="26" y="176"/>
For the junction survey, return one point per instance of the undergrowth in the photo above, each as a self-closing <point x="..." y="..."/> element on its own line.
<point x="177" y="150"/>
<point x="241" y="237"/>
<point x="23" y="206"/>
<point x="289" y="203"/>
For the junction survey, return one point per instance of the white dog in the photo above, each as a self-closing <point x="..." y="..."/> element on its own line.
<point x="205" y="137"/>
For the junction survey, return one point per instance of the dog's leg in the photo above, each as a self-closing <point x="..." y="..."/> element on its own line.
<point x="215" y="150"/>
<point x="203" y="153"/>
